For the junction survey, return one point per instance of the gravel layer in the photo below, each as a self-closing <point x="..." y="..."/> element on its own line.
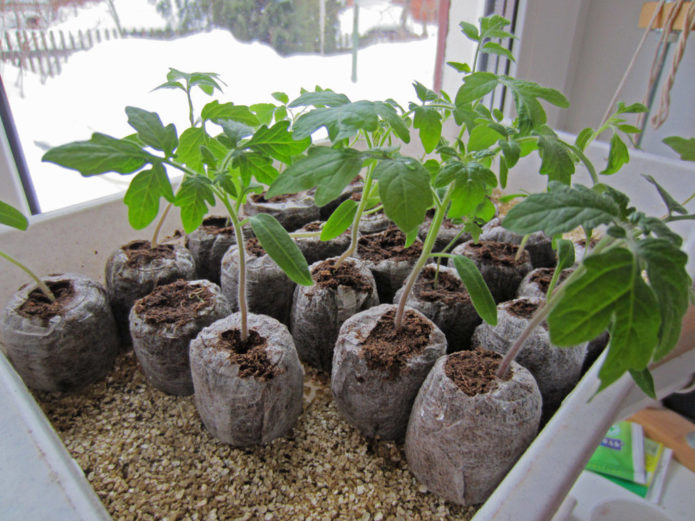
<point x="148" y="457"/>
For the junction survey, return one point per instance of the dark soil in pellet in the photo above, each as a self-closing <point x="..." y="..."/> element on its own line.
<point x="313" y="226"/>
<point x="253" y="247"/>
<point x="260" y="198"/>
<point x="389" y="349"/>
<point x="217" y="226"/>
<point x="522" y="308"/>
<point x="140" y="253"/>
<point x="327" y="276"/>
<point x="249" y="355"/>
<point x="389" y="244"/>
<point x="474" y="371"/>
<point x="449" y="289"/>
<point x="543" y="276"/>
<point x="40" y="306"/>
<point x="503" y="253"/>
<point x="176" y="303"/>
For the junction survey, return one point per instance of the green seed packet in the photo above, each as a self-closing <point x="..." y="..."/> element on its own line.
<point x="621" y="453"/>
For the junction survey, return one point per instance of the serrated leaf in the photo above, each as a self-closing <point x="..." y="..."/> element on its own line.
<point x="429" y="122"/>
<point x="341" y="121"/>
<point x="634" y="108"/>
<point x="583" y="138"/>
<point x="557" y="162"/>
<point x="511" y="151"/>
<point x="389" y="114"/>
<point x="565" y="254"/>
<point x="633" y="333"/>
<point x="475" y="86"/>
<point x="423" y="93"/>
<point x="193" y="198"/>
<point x="282" y="249"/>
<point x="142" y="196"/>
<point x="681" y="146"/>
<point x="205" y="81"/>
<point x="256" y="166"/>
<point x="190" y="143"/>
<point x="325" y="98"/>
<point x="226" y="181"/>
<point x="470" y="30"/>
<point x="563" y="209"/>
<point x="151" y="131"/>
<point x="340" y="220"/>
<point x="404" y="191"/>
<point x="496" y="48"/>
<point x="474" y="183"/>
<point x="100" y="154"/>
<point x="216" y="111"/>
<point x="480" y="294"/>
<point x="234" y="130"/>
<point x="618" y="155"/>
<point x="482" y="137"/>
<point x="328" y="169"/>
<point x="672" y="205"/>
<point x="670" y="282"/>
<point x="264" y="112"/>
<point x="278" y="142"/>
<point x="10" y="216"/>
<point x="588" y="302"/>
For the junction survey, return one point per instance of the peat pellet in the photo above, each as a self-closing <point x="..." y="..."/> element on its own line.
<point x="389" y="260"/>
<point x="292" y="210"/>
<point x="537" y="281"/>
<point x="246" y="392"/>
<point x="498" y="264"/>
<point x="440" y="295"/>
<point x="314" y="249"/>
<point x="318" y="311"/>
<point x="268" y="289"/>
<point x="64" y="345"/>
<point x="468" y="428"/>
<point x="208" y="244"/>
<point x="377" y="370"/>
<point x="538" y="245"/>
<point x="162" y="325"/>
<point x="135" y="269"/>
<point x="556" y="369"/>
<point x="448" y="232"/>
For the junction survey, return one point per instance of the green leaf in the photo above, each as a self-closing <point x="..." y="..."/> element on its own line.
<point x="325" y="98"/>
<point x="563" y="209"/>
<point x="681" y="146"/>
<point x="557" y="163"/>
<point x="281" y="97"/>
<point x="100" y="154"/>
<point x="234" y="130"/>
<point x="644" y="381"/>
<point x="278" y="142"/>
<point x="429" y="122"/>
<point x="190" y="143"/>
<point x="671" y="283"/>
<point x="389" y="114"/>
<point x="474" y="182"/>
<point x="496" y="48"/>
<point x="142" y="196"/>
<point x="672" y="205"/>
<point x="264" y="112"/>
<point x="257" y="166"/>
<point x="280" y="113"/>
<point x="151" y="131"/>
<point x="526" y="94"/>
<point x="423" y="93"/>
<point x="588" y="302"/>
<point x="404" y="189"/>
<point x="328" y="169"/>
<point x="491" y="27"/>
<point x="565" y="254"/>
<point x="216" y="111"/>
<point x="205" y="81"/>
<point x="193" y="197"/>
<point x="341" y="121"/>
<point x="470" y="30"/>
<point x="618" y="155"/>
<point x="226" y="181"/>
<point x="340" y="220"/>
<point x="583" y="138"/>
<point x="635" y="108"/>
<point x="10" y="216"/>
<point x="511" y="151"/>
<point x="633" y="333"/>
<point x="460" y="67"/>
<point x="482" y="137"/>
<point x="629" y="129"/>
<point x="282" y="249"/>
<point x="475" y="86"/>
<point x="480" y="294"/>
<point x="504" y="172"/>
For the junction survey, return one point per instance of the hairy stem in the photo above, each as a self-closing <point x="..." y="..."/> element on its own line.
<point x="355" y="230"/>
<point x="424" y="256"/>
<point x="158" y="228"/>
<point x="41" y="284"/>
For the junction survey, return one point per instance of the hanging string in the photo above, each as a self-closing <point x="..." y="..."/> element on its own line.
<point x="659" y="59"/>
<point x="660" y="117"/>
<point x="650" y="26"/>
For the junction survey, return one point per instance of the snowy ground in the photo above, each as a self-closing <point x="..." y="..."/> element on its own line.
<point x="96" y="85"/>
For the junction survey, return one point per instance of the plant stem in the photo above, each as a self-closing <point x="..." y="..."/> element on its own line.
<point x="41" y="284"/>
<point x="355" y="231"/>
<point x="158" y="228"/>
<point x="239" y="234"/>
<point x="424" y="256"/>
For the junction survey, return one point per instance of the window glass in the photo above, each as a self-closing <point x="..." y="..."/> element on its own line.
<point x="59" y="92"/>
